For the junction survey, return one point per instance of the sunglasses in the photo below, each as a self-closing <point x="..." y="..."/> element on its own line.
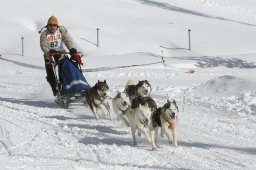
<point x="52" y="25"/>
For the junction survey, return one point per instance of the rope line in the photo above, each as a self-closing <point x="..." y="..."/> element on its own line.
<point x="23" y="64"/>
<point x="117" y="67"/>
<point x="83" y="70"/>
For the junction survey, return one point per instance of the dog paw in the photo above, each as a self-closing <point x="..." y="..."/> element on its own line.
<point x="139" y="134"/>
<point x="170" y="142"/>
<point x="154" y="148"/>
<point x="162" y="134"/>
<point x="127" y="124"/>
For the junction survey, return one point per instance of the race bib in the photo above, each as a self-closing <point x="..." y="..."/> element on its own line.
<point x="54" y="41"/>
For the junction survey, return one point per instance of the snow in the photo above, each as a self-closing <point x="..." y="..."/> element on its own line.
<point x="213" y="84"/>
<point x="225" y="86"/>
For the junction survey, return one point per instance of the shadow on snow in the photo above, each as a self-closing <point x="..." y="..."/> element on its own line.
<point x="247" y="150"/>
<point x="99" y="128"/>
<point x="107" y="141"/>
<point x="187" y="11"/>
<point x="206" y="61"/>
<point x="35" y="103"/>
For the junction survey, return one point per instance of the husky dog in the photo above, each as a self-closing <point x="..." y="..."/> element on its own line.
<point x="121" y="103"/>
<point x="97" y="97"/>
<point x="142" y="88"/>
<point x="140" y="119"/>
<point x="165" y="117"/>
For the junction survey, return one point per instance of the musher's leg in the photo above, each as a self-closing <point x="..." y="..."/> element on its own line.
<point x="50" y="76"/>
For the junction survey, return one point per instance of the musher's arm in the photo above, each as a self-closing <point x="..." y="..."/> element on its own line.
<point x="66" y="38"/>
<point x="43" y="42"/>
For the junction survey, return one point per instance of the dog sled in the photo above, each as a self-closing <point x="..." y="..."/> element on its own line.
<point x="71" y="83"/>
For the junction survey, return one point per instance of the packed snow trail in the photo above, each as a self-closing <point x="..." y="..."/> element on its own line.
<point x="41" y="131"/>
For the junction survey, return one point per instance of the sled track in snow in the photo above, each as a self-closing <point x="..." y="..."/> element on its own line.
<point x="4" y="140"/>
<point x="9" y="123"/>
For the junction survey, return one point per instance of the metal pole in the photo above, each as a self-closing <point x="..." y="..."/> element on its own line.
<point x="98" y="44"/>
<point x="189" y="41"/>
<point x="163" y="58"/>
<point x="22" y="46"/>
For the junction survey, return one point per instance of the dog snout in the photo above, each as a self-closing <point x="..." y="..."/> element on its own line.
<point x="104" y="94"/>
<point x="125" y="103"/>
<point x="146" y="91"/>
<point x="173" y="115"/>
<point x="146" y="121"/>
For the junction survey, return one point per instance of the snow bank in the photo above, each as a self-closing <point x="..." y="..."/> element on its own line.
<point x="224" y="86"/>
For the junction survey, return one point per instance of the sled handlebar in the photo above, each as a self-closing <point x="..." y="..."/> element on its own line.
<point x="60" y="53"/>
<point x="74" y="57"/>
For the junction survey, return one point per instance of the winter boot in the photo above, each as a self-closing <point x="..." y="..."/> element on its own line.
<point x="52" y="83"/>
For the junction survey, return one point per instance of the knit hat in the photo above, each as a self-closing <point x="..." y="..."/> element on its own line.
<point x="52" y="21"/>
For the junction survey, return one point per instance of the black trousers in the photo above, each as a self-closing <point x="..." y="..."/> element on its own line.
<point x="50" y="76"/>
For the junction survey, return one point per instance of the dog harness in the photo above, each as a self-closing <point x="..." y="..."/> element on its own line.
<point x="166" y="118"/>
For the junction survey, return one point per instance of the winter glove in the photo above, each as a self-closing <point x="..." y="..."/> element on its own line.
<point x="52" y="52"/>
<point x="72" y="51"/>
<point x="75" y="56"/>
<point x="53" y="56"/>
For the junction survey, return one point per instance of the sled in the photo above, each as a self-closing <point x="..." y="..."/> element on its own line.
<point x="71" y="83"/>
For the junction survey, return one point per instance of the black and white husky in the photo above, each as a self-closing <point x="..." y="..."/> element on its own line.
<point x="121" y="103"/>
<point x="97" y="97"/>
<point x="142" y="89"/>
<point x="139" y="117"/>
<point x="165" y="118"/>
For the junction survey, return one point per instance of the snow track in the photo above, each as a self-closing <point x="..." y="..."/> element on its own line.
<point x="42" y="133"/>
<point x="4" y="141"/>
<point x="47" y="131"/>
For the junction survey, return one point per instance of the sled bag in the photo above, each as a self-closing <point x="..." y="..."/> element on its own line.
<point x="71" y="78"/>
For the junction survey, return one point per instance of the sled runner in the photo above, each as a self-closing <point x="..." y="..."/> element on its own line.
<point x="71" y="84"/>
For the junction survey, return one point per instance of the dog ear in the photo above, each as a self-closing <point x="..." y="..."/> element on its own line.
<point x="105" y="81"/>
<point x="98" y="81"/>
<point x="167" y="105"/>
<point x="146" y="104"/>
<point x="141" y="106"/>
<point x="118" y="94"/>
<point x="174" y="102"/>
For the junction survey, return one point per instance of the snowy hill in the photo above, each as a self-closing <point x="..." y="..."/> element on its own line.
<point x="213" y="84"/>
